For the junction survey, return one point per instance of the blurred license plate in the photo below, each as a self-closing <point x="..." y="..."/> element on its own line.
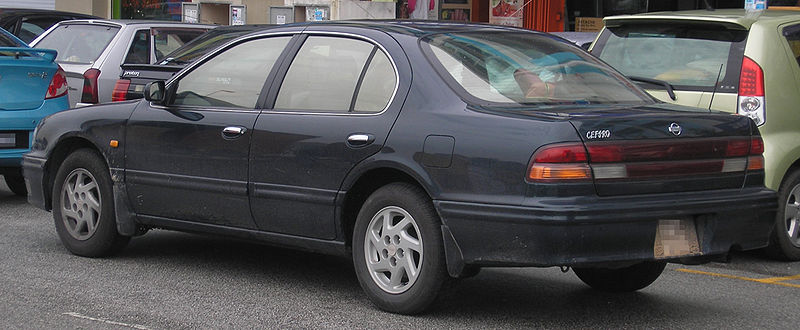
<point x="676" y="238"/>
<point x="8" y="140"/>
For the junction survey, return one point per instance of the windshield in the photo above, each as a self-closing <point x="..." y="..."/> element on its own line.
<point x="202" y="45"/>
<point x="78" y="43"/>
<point x="527" y="68"/>
<point x="687" y="56"/>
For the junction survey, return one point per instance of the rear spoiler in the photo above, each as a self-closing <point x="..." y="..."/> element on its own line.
<point x="47" y="54"/>
<point x="133" y="70"/>
<point x="728" y="23"/>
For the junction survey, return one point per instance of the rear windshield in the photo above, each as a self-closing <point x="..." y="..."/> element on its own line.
<point x="690" y="57"/>
<point x="78" y="43"/>
<point x="202" y="45"/>
<point x="6" y="41"/>
<point x="526" y="68"/>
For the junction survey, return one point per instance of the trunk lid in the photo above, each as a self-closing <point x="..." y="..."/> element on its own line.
<point x="664" y="148"/>
<point x="24" y="79"/>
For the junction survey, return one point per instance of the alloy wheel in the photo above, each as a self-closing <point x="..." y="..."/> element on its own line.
<point x="81" y="204"/>
<point x="393" y="249"/>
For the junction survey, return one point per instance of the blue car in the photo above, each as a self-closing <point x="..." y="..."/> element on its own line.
<point x="32" y="86"/>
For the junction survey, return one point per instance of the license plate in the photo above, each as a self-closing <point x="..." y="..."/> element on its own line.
<point x="676" y="238"/>
<point x="8" y="140"/>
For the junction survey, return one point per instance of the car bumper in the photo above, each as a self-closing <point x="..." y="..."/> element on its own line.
<point x="26" y="120"/>
<point x="604" y="231"/>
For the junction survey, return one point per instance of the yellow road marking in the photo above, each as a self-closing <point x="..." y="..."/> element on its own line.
<point x="770" y="280"/>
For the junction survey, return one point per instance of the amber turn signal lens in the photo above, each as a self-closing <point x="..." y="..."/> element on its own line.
<point x="114" y="143"/>
<point x="548" y="172"/>
<point x="755" y="163"/>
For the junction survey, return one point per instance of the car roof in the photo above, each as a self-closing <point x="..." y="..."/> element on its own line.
<point x="734" y="18"/>
<point x="415" y="27"/>
<point x="130" y="22"/>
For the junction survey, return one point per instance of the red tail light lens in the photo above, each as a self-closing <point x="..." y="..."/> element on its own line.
<point x="756" y="145"/>
<point x="120" y="92"/>
<point x="58" y="85"/>
<point x="561" y="153"/>
<point x="90" y="94"/>
<point x="751" y="80"/>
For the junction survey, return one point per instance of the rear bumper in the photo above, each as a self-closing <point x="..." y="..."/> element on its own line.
<point x="26" y="120"/>
<point x="603" y="231"/>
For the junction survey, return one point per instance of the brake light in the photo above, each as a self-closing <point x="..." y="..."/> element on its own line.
<point x="58" y="85"/>
<point x="120" y="92"/>
<point x="560" y="162"/>
<point x="90" y="94"/>
<point x="621" y="160"/>
<point x="751" y="92"/>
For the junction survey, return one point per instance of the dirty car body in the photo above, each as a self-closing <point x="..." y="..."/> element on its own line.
<point x="427" y="151"/>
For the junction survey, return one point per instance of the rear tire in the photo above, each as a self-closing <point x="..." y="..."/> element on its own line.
<point x="626" y="279"/>
<point x="17" y="184"/>
<point x="785" y="239"/>
<point x="398" y="252"/>
<point x="83" y="206"/>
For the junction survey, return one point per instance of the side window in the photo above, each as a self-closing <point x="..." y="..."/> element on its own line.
<point x="792" y="35"/>
<point x="329" y="71"/>
<point x="233" y="78"/>
<point x="32" y="28"/>
<point x="165" y="40"/>
<point x="139" y="53"/>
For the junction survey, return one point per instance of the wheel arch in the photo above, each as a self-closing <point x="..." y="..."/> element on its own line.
<point x="56" y="157"/>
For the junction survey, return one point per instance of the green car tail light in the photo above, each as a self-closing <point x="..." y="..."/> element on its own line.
<point x="751" y="92"/>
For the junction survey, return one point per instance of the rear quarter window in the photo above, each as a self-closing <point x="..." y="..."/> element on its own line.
<point x="79" y="43"/>
<point x="792" y="35"/>
<point x="688" y="56"/>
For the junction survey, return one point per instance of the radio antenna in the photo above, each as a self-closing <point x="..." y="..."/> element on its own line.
<point x="715" y="87"/>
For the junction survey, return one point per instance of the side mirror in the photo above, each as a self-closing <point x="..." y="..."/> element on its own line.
<point x="155" y="92"/>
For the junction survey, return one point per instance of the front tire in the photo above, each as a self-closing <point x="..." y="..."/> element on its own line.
<point x="16" y="183"/>
<point x="398" y="252"/>
<point x="785" y="240"/>
<point x="83" y="206"/>
<point x="627" y="279"/>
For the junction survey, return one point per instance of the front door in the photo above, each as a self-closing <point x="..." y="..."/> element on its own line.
<point x="334" y="108"/>
<point x="188" y="160"/>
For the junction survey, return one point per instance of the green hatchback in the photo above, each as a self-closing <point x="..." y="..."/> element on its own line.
<point x="730" y="61"/>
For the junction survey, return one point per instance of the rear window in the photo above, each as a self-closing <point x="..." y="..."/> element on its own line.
<point x="688" y="56"/>
<point x="526" y="68"/>
<point x="78" y="43"/>
<point x="6" y="41"/>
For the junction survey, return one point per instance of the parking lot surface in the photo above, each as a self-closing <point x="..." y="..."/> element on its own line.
<point x="172" y="280"/>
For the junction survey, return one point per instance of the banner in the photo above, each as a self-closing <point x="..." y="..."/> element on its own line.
<point x="506" y="12"/>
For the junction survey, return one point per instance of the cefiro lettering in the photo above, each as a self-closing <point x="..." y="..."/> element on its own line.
<point x="599" y="134"/>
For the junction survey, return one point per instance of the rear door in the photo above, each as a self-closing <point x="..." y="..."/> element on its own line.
<point x="338" y="100"/>
<point x="189" y="160"/>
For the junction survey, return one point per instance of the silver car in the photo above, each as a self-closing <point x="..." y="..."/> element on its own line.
<point x="91" y="51"/>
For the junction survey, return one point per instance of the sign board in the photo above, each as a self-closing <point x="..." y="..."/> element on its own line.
<point x="238" y="15"/>
<point x="506" y="12"/>
<point x="190" y="12"/>
<point x="588" y="24"/>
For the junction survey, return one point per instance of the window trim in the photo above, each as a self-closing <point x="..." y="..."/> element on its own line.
<point x="375" y="44"/>
<point x="170" y="84"/>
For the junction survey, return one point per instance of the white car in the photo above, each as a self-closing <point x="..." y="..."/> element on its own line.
<point x="91" y="51"/>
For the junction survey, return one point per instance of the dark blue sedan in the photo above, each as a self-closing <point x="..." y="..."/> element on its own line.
<point x="424" y="151"/>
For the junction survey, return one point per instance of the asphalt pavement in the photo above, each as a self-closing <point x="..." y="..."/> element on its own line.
<point x="169" y="280"/>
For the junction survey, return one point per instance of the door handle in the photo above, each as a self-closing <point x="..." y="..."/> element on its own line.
<point x="360" y="139"/>
<point x="232" y="132"/>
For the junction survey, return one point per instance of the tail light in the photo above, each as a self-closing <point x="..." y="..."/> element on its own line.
<point x="751" y="92"/>
<point x="560" y="162"/>
<point x="756" y="160"/>
<point x="90" y="86"/>
<point x="571" y="162"/>
<point x="58" y="85"/>
<point x="120" y="92"/>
